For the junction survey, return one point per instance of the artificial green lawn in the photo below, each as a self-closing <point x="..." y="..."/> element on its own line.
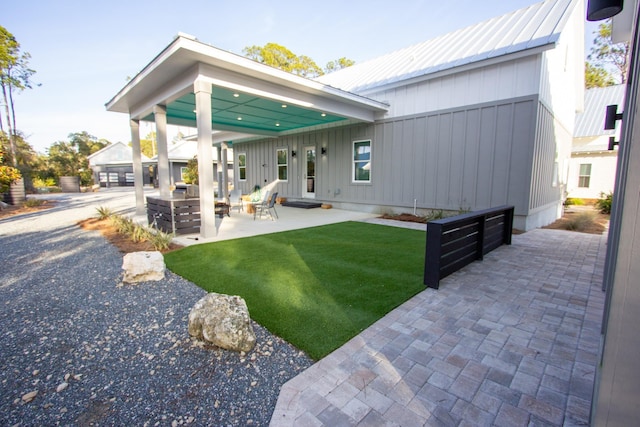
<point x="316" y="287"/>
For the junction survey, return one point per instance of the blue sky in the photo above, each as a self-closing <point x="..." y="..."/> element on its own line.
<point x="83" y="51"/>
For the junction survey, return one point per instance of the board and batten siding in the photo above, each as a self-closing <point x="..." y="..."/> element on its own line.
<point x="333" y="170"/>
<point x="490" y="83"/>
<point x="468" y="158"/>
<point x="472" y="158"/>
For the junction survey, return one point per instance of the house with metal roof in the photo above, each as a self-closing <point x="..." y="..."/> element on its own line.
<point x="480" y="117"/>
<point x="181" y="152"/>
<point x="112" y="166"/>
<point x="592" y="169"/>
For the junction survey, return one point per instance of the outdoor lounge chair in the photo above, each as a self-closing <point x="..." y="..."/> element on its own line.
<point x="235" y="200"/>
<point x="264" y="198"/>
<point x="266" y="206"/>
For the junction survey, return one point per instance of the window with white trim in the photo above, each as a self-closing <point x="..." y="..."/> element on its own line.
<point x="282" y="159"/>
<point x="183" y="171"/>
<point x="362" y="161"/>
<point x="584" y="177"/>
<point x="242" y="166"/>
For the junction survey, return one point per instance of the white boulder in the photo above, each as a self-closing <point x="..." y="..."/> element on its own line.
<point x="224" y="321"/>
<point x="143" y="267"/>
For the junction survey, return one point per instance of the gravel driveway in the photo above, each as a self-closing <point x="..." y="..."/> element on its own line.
<point x="98" y="353"/>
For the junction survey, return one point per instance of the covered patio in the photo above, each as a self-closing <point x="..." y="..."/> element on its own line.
<point x="242" y="224"/>
<point x="227" y="98"/>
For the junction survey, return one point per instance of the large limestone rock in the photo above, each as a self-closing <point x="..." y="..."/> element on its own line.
<point x="224" y="321"/>
<point x="143" y="267"/>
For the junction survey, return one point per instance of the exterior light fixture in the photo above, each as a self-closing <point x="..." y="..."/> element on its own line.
<point x="277" y="124"/>
<point x="611" y="117"/>
<point x="284" y="105"/>
<point x="239" y="118"/>
<point x="597" y="10"/>
<point x="235" y="95"/>
<point x="324" y="114"/>
<point x="293" y="153"/>
<point x="323" y="150"/>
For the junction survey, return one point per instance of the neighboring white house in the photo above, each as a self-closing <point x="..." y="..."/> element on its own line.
<point x="592" y="169"/>
<point x="480" y="117"/>
<point x="112" y="166"/>
<point x="182" y="151"/>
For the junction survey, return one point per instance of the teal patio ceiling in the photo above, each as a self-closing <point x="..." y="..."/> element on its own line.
<point x="242" y="111"/>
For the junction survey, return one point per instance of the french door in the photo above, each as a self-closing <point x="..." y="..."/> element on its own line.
<point x="309" y="175"/>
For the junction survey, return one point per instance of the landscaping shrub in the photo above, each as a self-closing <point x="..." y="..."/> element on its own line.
<point x="158" y="240"/>
<point x="581" y="221"/>
<point x="603" y="204"/>
<point x="439" y="214"/>
<point x="104" y="212"/>
<point x="571" y="201"/>
<point x="32" y="203"/>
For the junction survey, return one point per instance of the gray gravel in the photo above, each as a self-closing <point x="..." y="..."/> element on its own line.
<point x="102" y="354"/>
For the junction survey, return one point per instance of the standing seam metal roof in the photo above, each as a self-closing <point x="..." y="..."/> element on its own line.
<point x="534" y="26"/>
<point x="591" y="121"/>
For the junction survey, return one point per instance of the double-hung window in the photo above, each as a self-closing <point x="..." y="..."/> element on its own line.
<point x="282" y="155"/>
<point x="242" y="166"/>
<point x="362" y="161"/>
<point x="584" y="177"/>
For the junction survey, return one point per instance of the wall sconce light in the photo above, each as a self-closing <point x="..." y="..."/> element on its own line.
<point x="323" y="150"/>
<point x="598" y="10"/>
<point x="610" y="120"/>
<point x="293" y="153"/>
<point x="611" y="117"/>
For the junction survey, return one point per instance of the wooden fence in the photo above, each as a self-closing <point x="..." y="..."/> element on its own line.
<point x="457" y="241"/>
<point x="174" y="216"/>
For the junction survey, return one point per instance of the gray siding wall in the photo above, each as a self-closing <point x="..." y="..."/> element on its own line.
<point x="469" y="158"/>
<point x="547" y="184"/>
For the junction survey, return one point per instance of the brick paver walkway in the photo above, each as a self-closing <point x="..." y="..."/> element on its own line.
<point x="509" y="341"/>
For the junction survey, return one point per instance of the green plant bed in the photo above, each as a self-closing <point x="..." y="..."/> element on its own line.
<point x="316" y="287"/>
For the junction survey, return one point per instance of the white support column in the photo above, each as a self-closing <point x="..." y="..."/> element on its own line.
<point x="219" y="177"/>
<point x="138" y="177"/>
<point x="164" y="177"/>
<point x="202" y="91"/>
<point x="225" y="170"/>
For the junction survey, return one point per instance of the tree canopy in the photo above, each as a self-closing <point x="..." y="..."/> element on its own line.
<point x="15" y="75"/>
<point x="608" y="62"/>
<point x="69" y="158"/>
<point x="596" y="76"/>
<point x="280" y="57"/>
<point x="8" y="174"/>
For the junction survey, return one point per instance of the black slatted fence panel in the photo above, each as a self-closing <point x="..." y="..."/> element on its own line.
<point x="457" y="241"/>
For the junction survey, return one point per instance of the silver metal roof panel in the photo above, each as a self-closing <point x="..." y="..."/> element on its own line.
<point x="535" y="26"/>
<point x="591" y="121"/>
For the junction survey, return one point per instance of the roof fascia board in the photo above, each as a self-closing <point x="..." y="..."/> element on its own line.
<point x="239" y="64"/>
<point x="222" y="61"/>
<point x="285" y="94"/>
<point x="168" y="93"/>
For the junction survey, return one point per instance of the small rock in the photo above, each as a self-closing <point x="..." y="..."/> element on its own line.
<point x="62" y="387"/>
<point x="28" y="397"/>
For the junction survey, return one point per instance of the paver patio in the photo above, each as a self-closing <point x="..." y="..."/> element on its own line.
<point x="509" y="341"/>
